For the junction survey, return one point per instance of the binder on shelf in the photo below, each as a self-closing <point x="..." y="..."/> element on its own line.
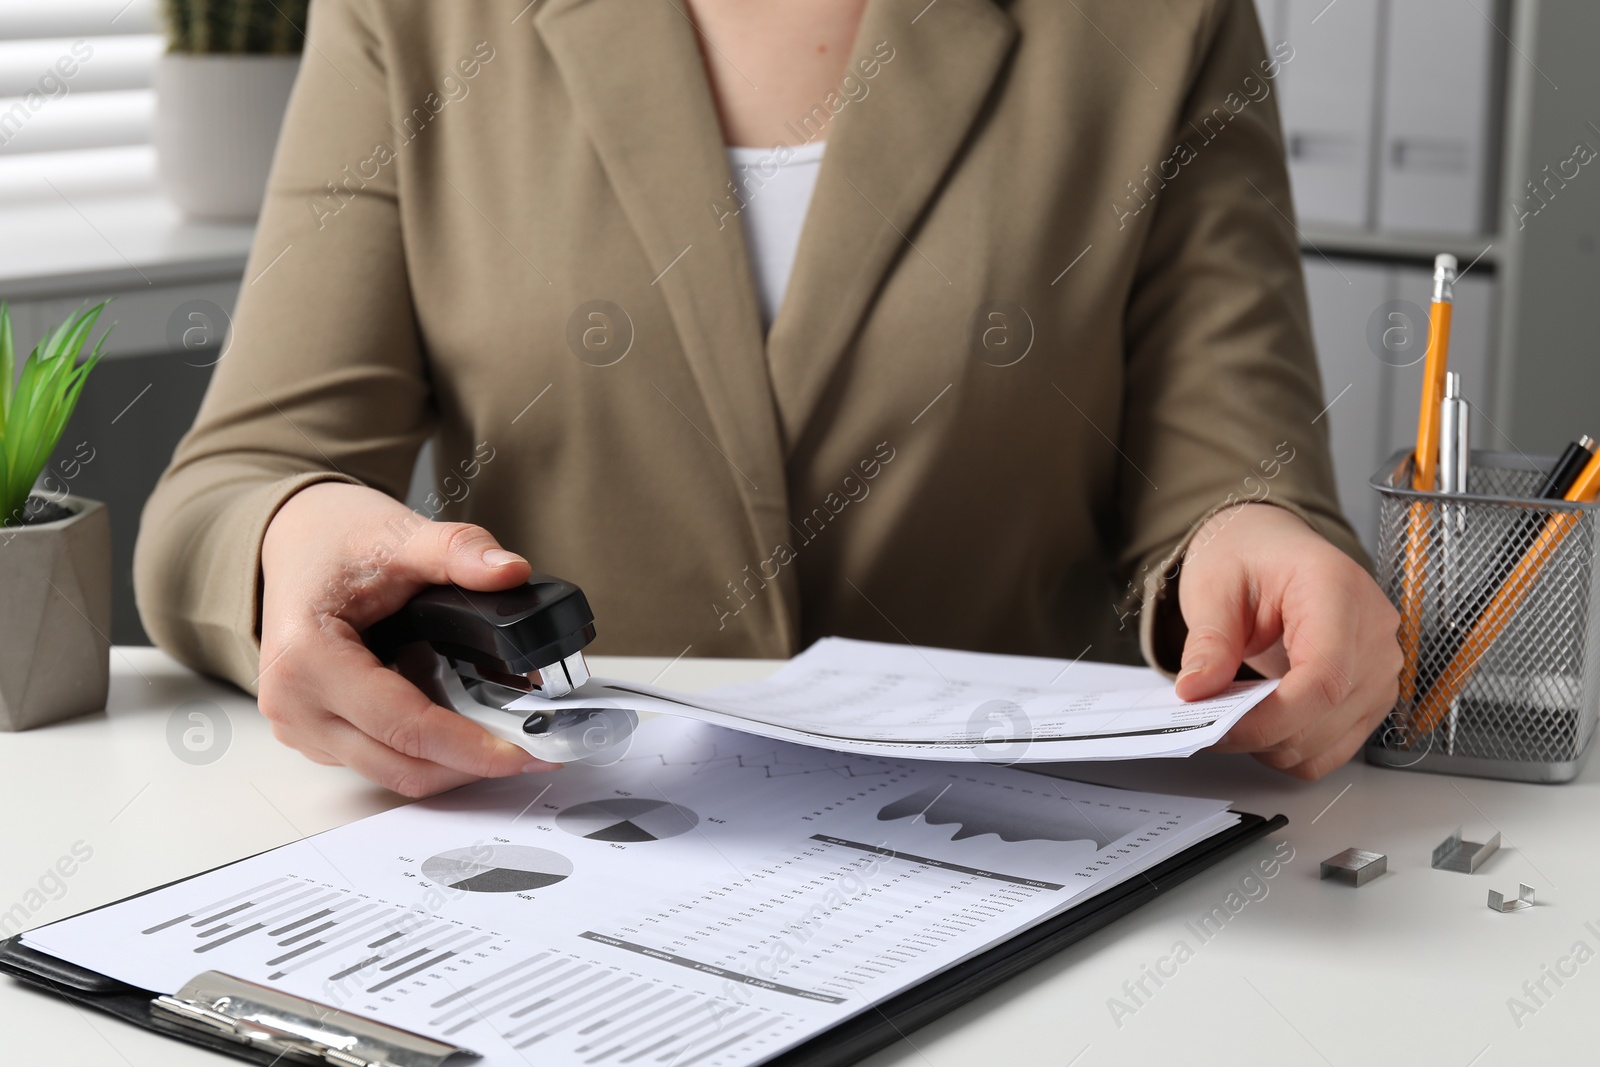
<point x="1328" y="106"/>
<point x="261" y="1025"/>
<point x="1443" y="62"/>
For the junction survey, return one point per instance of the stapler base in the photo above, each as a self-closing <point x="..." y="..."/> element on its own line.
<point x="598" y="735"/>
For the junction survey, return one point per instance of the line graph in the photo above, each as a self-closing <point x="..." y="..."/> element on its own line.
<point x="1016" y="814"/>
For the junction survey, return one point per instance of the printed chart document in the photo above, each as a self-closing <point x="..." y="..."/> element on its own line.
<point x="932" y="703"/>
<point x="710" y="900"/>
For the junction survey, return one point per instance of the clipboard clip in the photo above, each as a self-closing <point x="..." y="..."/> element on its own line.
<point x="293" y="1028"/>
<point x="491" y="648"/>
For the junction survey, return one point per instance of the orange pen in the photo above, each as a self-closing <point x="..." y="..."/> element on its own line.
<point x="1424" y="469"/>
<point x="1497" y="615"/>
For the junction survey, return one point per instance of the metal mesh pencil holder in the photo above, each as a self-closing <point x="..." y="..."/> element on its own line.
<point x="1496" y="592"/>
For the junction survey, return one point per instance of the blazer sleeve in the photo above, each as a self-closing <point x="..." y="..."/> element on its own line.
<point x="324" y="377"/>
<point x="1223" y="395"/>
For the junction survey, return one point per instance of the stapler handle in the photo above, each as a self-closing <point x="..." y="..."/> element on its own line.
<point x="506" y="635"/>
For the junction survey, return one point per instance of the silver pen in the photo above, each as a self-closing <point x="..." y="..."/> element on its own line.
<point x="1454" y="451"/>
<point x="1454" y="419"/>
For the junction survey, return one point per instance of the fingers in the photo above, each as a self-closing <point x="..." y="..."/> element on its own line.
<point x="388" y="708"/>
<point x="1342" y="682"/>
<point x="373" y="761"/>
<point x="351" y="551"/>
<point x="458" y="553"/>
<point x="341" y="706"/>
<point x="1333" y="756"/>
<point x="337" y="558"/>
<point x="325" y="737"/>
<point x="315" y="754"/>
<point x="379" y="763"/>
<point x="1297" y="607"/>
<point x="1322" y="643"/>
<point x="1219" y="617"/>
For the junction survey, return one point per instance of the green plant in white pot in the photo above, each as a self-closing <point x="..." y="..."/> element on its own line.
<point x="55" y="549"/>
<point x="221" y="90"/>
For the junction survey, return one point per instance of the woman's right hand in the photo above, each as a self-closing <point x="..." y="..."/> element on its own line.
<point x="335" y="560"/>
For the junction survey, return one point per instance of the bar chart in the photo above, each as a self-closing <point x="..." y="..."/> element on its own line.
<point x="299" y="924"/>
<point x="601" y="1013"/>
<point x="598" y="1011"/>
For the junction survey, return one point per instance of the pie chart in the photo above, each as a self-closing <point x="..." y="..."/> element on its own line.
<point x="497" y="868"/>
<point x="626" y="820"/>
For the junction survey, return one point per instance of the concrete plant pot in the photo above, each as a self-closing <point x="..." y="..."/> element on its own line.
<point x="217" y="122"/>
<point x="55" y="649"/>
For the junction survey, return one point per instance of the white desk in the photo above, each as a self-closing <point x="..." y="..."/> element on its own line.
<point x="1412" y="968"/>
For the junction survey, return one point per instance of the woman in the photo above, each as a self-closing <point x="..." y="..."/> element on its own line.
<point x="1040" y="340"/>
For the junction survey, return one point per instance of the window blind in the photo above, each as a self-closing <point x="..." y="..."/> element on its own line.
<point x="76" y="103"/>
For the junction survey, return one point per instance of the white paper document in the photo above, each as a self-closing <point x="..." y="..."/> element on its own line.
<point x="930" y="703"/>
<point x="711" y="900"/>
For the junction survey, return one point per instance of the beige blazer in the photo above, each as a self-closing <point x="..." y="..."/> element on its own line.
<point x="1047" y="314"/>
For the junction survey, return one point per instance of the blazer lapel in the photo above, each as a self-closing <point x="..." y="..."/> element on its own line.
<point x="636" y="78"/>
<point x="886" y="156"/>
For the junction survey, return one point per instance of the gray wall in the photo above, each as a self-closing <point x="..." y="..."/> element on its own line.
<point x="132" y="412"/>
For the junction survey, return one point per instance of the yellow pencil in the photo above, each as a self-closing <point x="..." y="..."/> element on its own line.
<point x="1512" y="592"/>
<point x="1424" y="468"/>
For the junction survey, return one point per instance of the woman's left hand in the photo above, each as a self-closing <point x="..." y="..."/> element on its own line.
<point x="1259" y="586"/>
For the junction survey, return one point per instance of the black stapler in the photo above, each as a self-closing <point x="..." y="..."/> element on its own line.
<point x="492" y="648"/>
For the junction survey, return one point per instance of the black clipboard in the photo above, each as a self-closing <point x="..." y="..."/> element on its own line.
<point x="846" y="1043"/>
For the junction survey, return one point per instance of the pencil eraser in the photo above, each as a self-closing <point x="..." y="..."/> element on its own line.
<point x="1355" y="866"/>
<point x="1444" y="263"/>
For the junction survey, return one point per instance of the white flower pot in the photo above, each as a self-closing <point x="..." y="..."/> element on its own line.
<point x="217" y="121"/>
<point x="55" y="585"/>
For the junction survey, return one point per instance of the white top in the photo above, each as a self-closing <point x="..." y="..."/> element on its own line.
<point x="775" y="185"/>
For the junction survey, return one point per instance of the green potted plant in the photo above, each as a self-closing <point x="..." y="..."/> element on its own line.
<point x="221" y="91"/>
<point x="55" y="549"/>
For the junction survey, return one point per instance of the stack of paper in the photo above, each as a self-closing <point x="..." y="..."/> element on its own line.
<point x="929" y="703"/>
<point x="711" y="900"/>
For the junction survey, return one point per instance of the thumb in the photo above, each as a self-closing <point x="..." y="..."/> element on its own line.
<point x="1219" y="629"/>
<point x="458" y="553"/>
